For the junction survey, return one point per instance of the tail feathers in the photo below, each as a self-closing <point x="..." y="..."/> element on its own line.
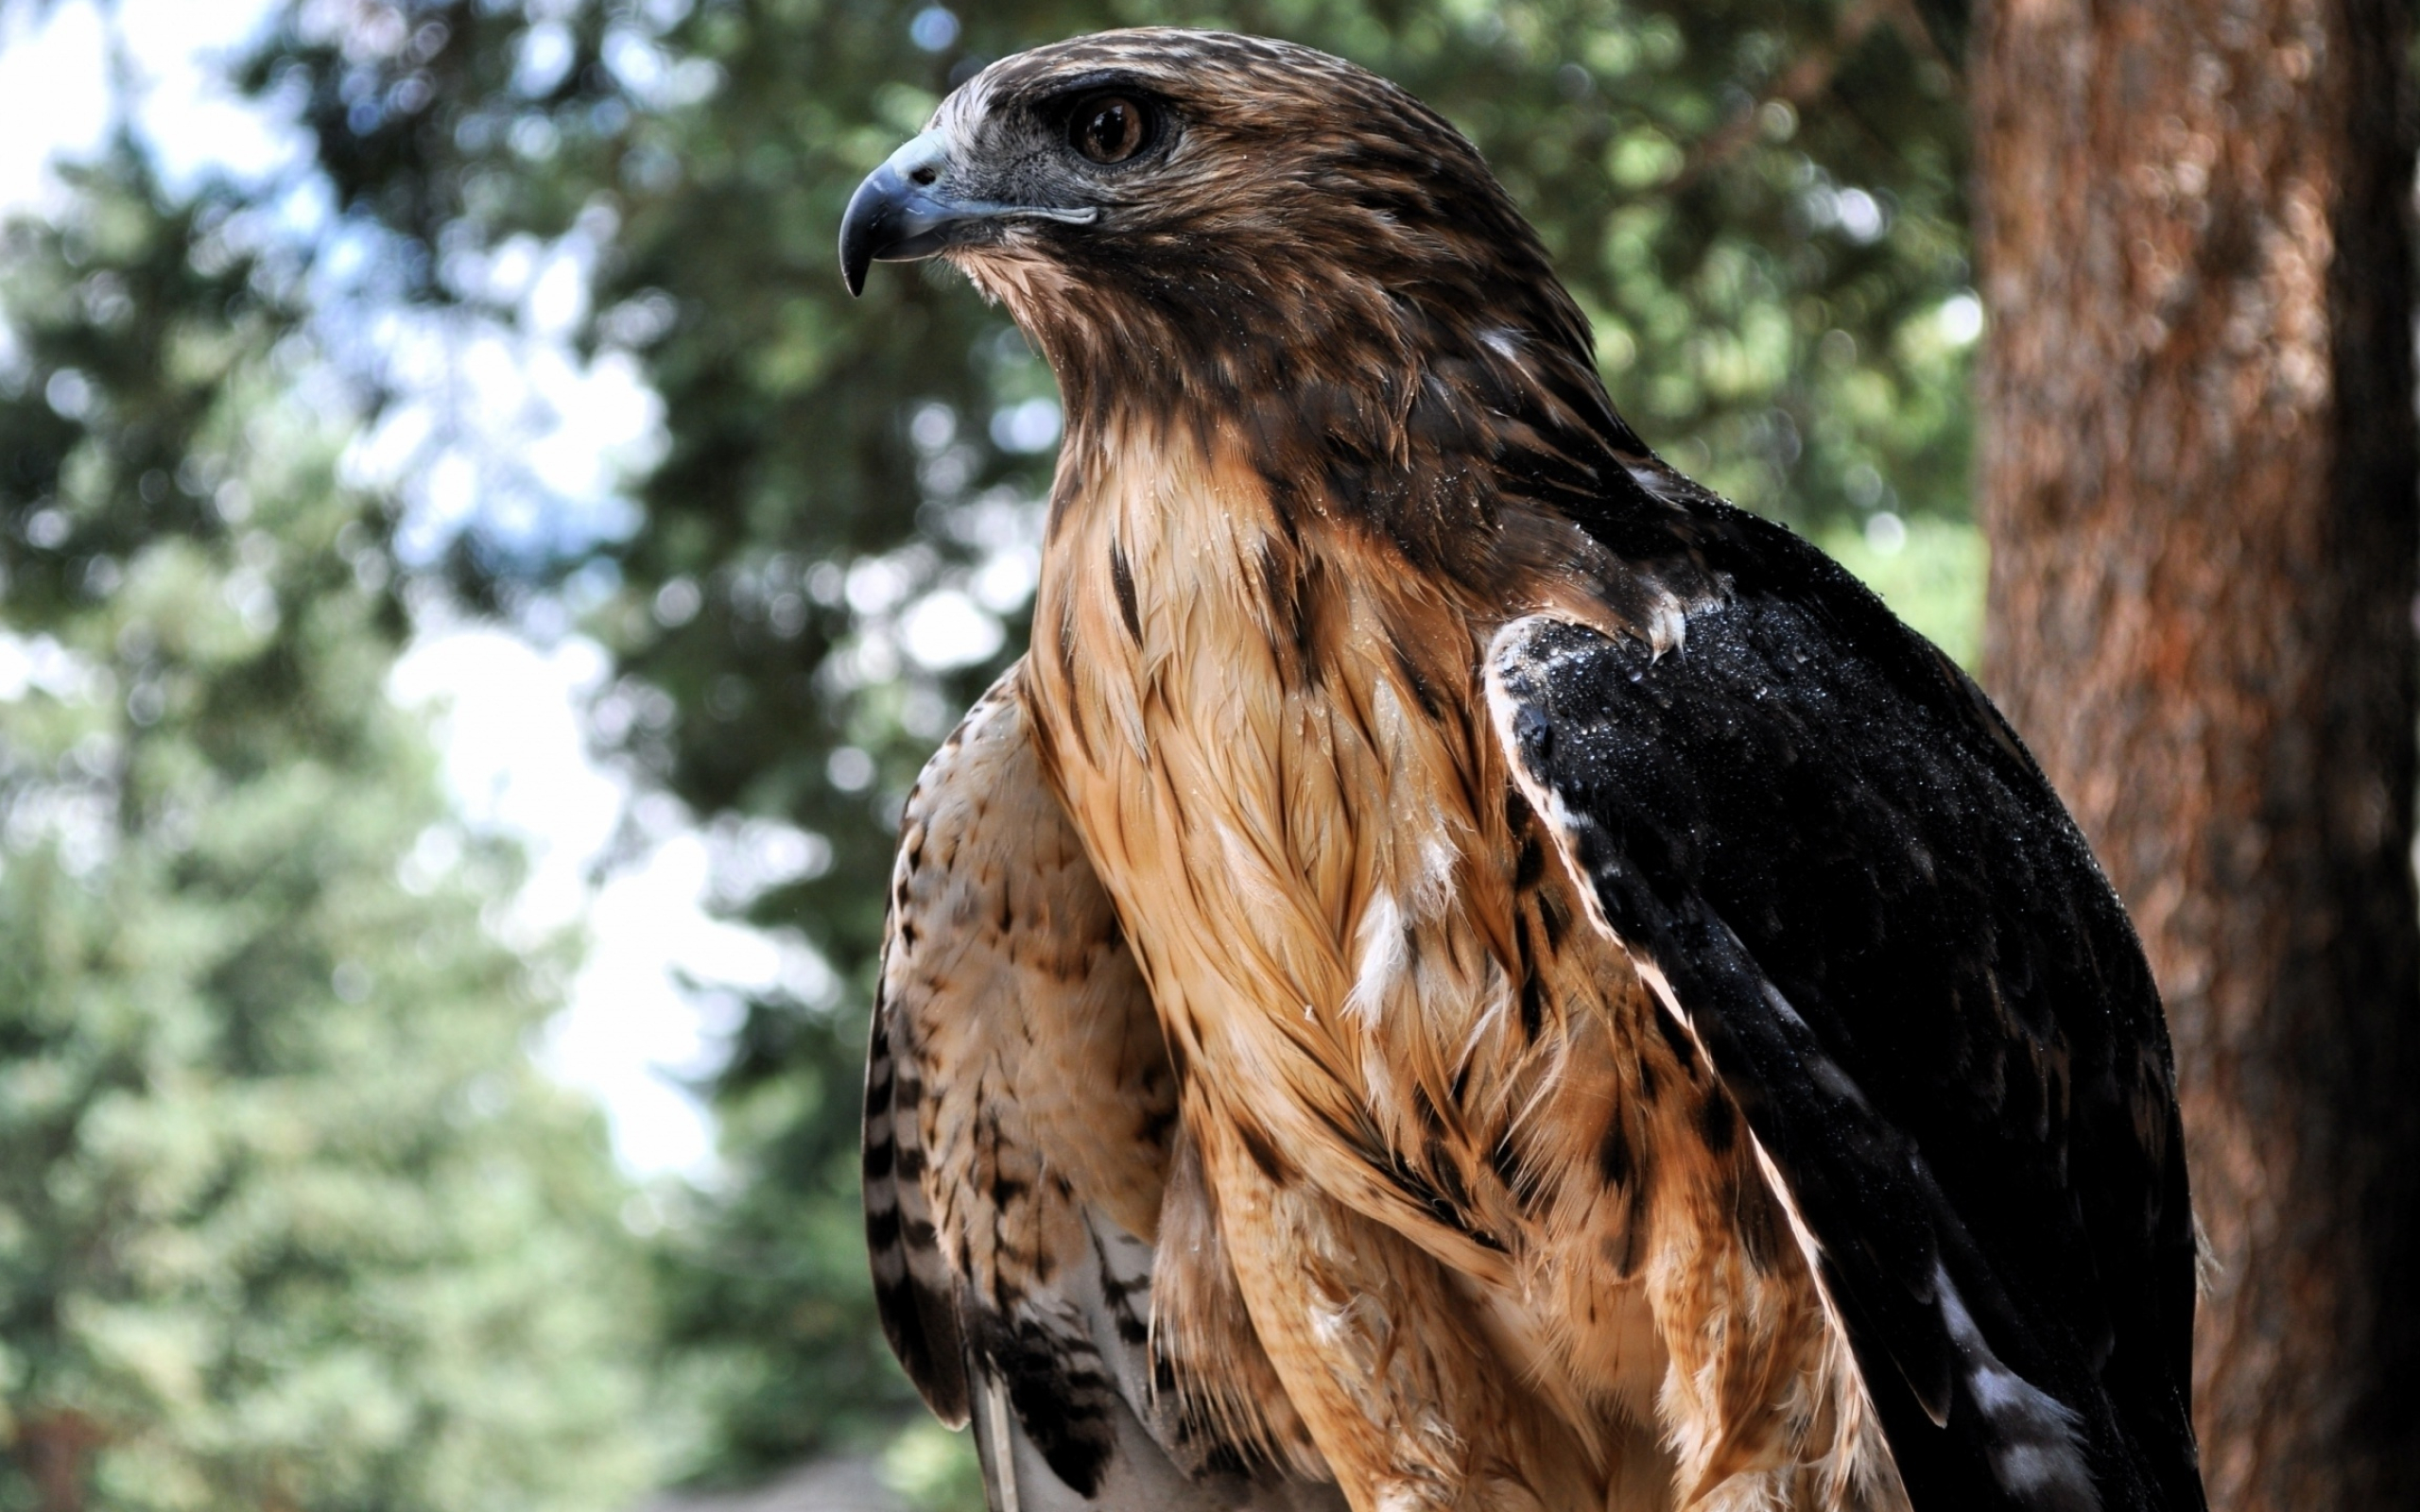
<point x="1137" y="1474"/>
<point x="1065" y="1412"/>
<point x="2035" y="1447"/>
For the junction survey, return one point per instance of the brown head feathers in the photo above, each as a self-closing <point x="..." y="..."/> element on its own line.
<point x="1301" y="255"/>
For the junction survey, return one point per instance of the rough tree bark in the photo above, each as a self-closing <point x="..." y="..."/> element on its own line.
<point x="2198" y="479"/>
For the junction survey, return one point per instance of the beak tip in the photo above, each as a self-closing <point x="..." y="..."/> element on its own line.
<point x="864" y="226"/>
<point x="856" y="252"/>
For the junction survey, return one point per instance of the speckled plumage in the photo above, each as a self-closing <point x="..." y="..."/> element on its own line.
<point x="1461" y="966"/>
<point x="1020" y="1129"/>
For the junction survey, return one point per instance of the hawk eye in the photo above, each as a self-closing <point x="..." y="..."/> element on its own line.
<point x="1109" y="127"/>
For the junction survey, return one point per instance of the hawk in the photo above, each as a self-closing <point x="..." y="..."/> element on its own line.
<point x="1462" y="970"/>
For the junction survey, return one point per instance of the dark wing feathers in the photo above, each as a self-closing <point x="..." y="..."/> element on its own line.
<point x="1019" y="1104"/>
<point x="913" y="1288"/>
<point x="1866" y="903"/>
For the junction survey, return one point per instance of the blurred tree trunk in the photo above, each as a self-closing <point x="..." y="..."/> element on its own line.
<point x="53" y="1449"/>
<point x="2198" y="479"/>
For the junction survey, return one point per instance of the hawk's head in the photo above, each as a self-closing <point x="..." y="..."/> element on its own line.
<point x="1225" y="207"/>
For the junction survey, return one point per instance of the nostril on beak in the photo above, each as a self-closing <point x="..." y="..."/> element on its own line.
<point x="919" y="163"/>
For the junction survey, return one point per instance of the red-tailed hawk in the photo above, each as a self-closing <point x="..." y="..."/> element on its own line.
<point x="1463" y="972"/>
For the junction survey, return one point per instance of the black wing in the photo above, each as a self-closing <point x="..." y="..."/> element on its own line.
<point x="1864" y="901"/>
<point x="1019" y="1113"/>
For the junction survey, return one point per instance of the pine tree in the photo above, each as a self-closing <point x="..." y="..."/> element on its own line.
<point x="286" y="1218"/>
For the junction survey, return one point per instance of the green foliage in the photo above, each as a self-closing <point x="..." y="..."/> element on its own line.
<point x="1758" y="202"/>
<point x="770" y="1306"/>
<point x="1929" y="571"/>
<point x="286" y="1219"/>
<point x="934" y="1470"/>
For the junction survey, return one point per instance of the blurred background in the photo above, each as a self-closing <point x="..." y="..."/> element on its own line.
<point x="473" y="592"/>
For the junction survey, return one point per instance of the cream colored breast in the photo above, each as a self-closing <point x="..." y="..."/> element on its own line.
<point x="1235" y="733"/>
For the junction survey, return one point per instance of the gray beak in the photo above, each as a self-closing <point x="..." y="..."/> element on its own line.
<point x="905" y="211"/>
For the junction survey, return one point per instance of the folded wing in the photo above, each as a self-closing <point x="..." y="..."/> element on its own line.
<point x="1021" y="1116"/>
<point x="1853" y="890"/>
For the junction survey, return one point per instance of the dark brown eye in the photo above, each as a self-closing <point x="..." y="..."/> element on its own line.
<point x="1109" y="127"/>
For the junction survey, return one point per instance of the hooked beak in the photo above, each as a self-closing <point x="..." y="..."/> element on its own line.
<point x="905" y="211"/>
